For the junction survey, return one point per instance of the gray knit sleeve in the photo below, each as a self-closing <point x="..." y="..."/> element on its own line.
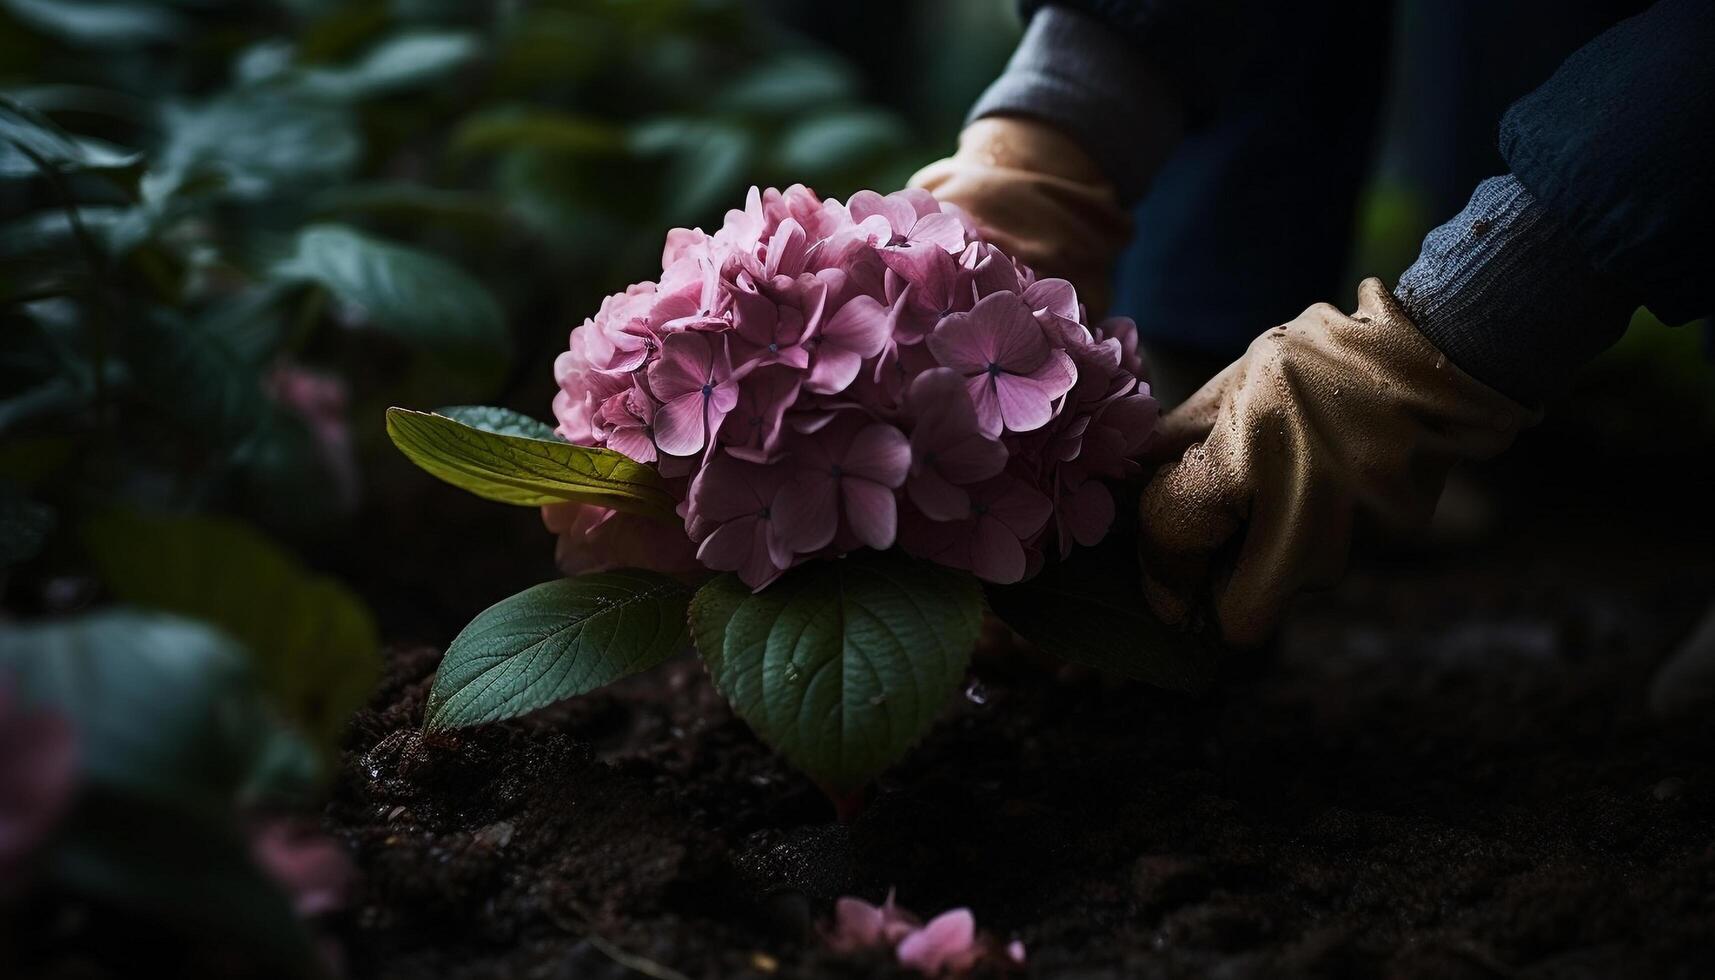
<point x="1077" y="74"/>
<point x="1509" y="297"/>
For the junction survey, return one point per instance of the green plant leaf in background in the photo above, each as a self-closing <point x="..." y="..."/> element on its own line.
<point x="253" y="143"/>
<point x="170" y="731"/>
<point x="398" y="63"/>
<point x="841" y="142"/>
<point x="1090" y="610"/>
<point x="24" y="525"/>
<point x="99" y="23"/>
<point x="841" y="665"/>
<point x="527" y="471"/>
<point x="548" y="130"/>
<point x="421" y="298"/>
<point x="314" y="643"/>
<point x="557" y="640"/>
<point x="194" y="376"/>
<point x="26" y="136"/>
<point x="164" y="707"/>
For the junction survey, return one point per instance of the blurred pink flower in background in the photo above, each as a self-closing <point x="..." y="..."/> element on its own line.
<point x="38" y="774"/>
<point x="948" y="944"/>
<point x="322" y="402"/>
<point x="884" y="372"/>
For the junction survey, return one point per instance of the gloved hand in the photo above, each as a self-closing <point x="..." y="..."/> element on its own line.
<point x="1321" y="417"/>
<point x="1039" y="197"/>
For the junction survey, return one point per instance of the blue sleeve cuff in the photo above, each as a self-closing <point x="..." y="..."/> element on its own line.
<point x="1507" y="294"/>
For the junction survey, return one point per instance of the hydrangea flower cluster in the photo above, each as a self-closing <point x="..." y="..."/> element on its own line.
<point x="816" y="377"/>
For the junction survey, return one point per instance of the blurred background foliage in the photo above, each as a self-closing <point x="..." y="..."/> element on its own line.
<point x="231" y="233"/>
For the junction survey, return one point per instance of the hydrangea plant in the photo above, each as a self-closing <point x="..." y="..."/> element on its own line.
<point x="825" y="442"/>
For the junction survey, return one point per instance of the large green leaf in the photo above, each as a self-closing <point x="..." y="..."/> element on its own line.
<point x="840" y="142"/>
<point x="164" y="707"/>
<point x="252" y="143"/>
<point x="29" y="142"/>
<point x="420" y="298"/>
<point x="557" y="640"/>
<point x="1089" y="609"/>
<point x="530" y="472"/>
<point x="314" y="643"/>
<point x="100" y="23"/>
<point x="398" y="63"/>
<point x="841" y="665"/>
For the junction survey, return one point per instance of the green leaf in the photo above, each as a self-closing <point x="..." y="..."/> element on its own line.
<point x="537" y="129"/>
<point x="557" y="640"/>
<point x="164" y="707"/>
<point x="502" y="421"/>
<point x="708" y="163"/>
<point x="29" y="140"/>
<point x="1089" y="609"/>
<point x="420" y="298"/>
<point x="839" y="142"/>
<point x="415" y="204"/>
<point x="250" y="144"/>
<point x="529" y="472"/>
<point x="795" y="81"/>
<point x="100" y="23"/>
<point x="194" y="377"/>
<point x="24" y="525"/>
<point x="398" y="63"/>
<point x="314" y="643"/>
<point x="841" y="665"/>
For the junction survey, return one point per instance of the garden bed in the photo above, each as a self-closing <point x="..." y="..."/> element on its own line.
<point x="1445" y="768"/>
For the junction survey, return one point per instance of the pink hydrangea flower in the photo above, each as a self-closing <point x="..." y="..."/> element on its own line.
<point x="596" y="539"/>
<point x="818" y="376"/>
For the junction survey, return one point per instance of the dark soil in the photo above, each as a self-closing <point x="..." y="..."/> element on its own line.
<point x="1443" y="769"/>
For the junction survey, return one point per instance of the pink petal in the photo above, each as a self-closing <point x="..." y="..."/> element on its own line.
<point x="938" y="498"/>
<point x="940" y="230"/>
<point x="683" y="366"/>
<point x="1019" y="344"/>
<point x="833" y="370"/>
<point x="986" y="403"/>
<point x="1015" y="952"/>
<point x="806" y="513"/>
<point x="879" y="452"/>
<point x="1019" y="506"/>
<point x="963" y="342"/>
<point x="872" y="512"/>
<point x="634" y="441"/>
<point x="730" y="546"/>
<point x="947" y="942"/>
<point x="1053" y="296"/>
<point x="857" y="925"/>
<point x="861" y="325"/>
<point x="679" y="424"/>
<point x="1088" y="512"/>
<point x="996" y="555"/>
<point x="971" y="459"/>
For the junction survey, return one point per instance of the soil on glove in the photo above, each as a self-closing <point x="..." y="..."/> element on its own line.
<point x="1443" y="769"/>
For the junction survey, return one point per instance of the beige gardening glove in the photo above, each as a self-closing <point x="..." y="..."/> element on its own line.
<point x="1039" y="197"/>
<point x="1321" y="418"/>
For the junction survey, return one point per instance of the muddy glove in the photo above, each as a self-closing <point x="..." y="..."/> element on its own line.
<point x="1321" y="418"/>
<point x="1038" y="196"/>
